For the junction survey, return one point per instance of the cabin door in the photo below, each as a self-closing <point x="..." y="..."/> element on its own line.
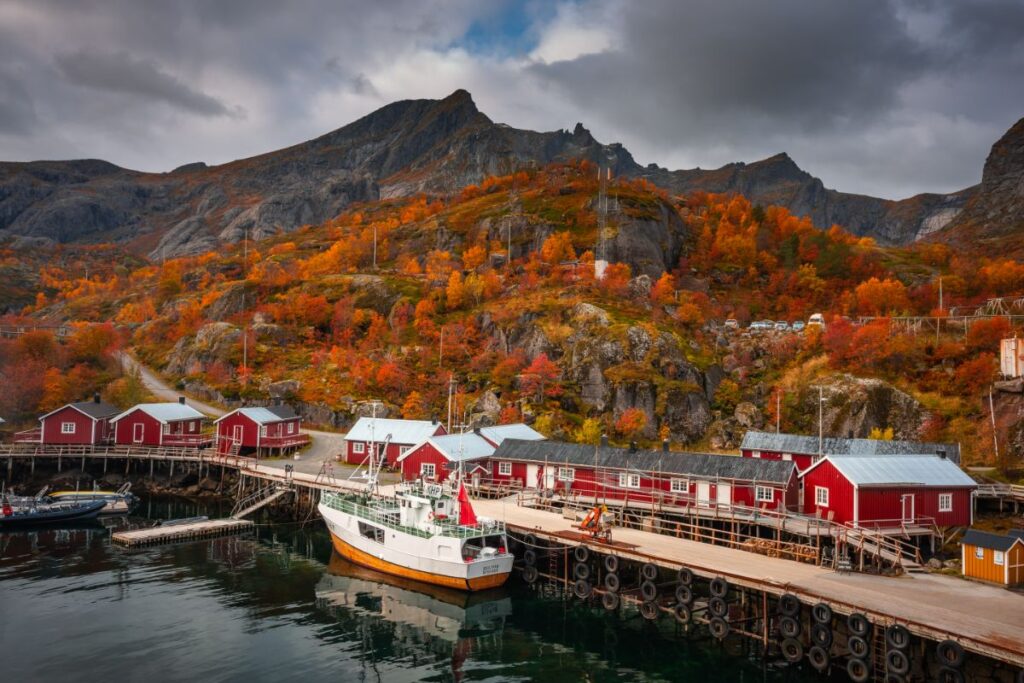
<point x="236" y="434"/>
<point x="533" y="476"/>
<point x="138" y="433"/>
<point x="704" y="494"/>
<point x="908" y="507"/>
<point x="549" y="478"/>
<point x="723" y="495"/>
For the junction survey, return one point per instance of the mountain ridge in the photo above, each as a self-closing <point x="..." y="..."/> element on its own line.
<point x="404" y="148"/>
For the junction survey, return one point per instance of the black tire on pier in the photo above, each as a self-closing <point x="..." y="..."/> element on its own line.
<point x="789" y="627"/>
<point x="683" y="614"/>
<point x="858" y="624"/>
<point x="649" y="610"/>
<point x="530" y="557"/>
<point x="719" y="627"/>
<point x="581" y="553"/>
<point x="858" y="647"/>
<point x="719" y="587"/>
<point x="648" y="590"/>
<point x="821" y="635"/>
<point x="858" y="670"/>
<point x="582" y="589"/>
<point x="685" y="576"/>
<point x="951" y="653"/>
<point x="897" y="637"/>
<point x="718" y="607"/>
<point x="649" y="571"/>
<point x="611" y="564"/>
<point x="948" y="674"/>
<point x="581" y="571"/>
<point x="897" y="662"/>
<point x="611" y="583"/>
<point x="792" y="650"/>
<point x="789" y="605"/>
<point x="822" y="613"/>
<point x="529" y="574"/>
<point x="610" y="601"/>
<point x="530" y="540"/>
<point x="818" y="658"/>
<point x="684" y="595"/>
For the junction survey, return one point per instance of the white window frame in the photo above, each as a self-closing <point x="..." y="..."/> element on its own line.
<point x="945" y="502"/>
<point x="788" y="457"/>
<point x="998" y="557"/>
<point x="504" y="469"/>
<point x="629" y="480"/>
<point x="291" y="428"/>
<point x="979" y="552"/>
<point x="679" y="485"/>
<point x="428" y="469"/>
<point x="358" y="447"/>
<point x="68" y="427"/>
<point x="402" y="450"/>
<point x="760" y="493"/>
<point x="819" y="499"/>
<point x="263" y="430"/>
<point x="566" y="474"/>
<point x="755" y="454"/>
<point x="167" y="428"/>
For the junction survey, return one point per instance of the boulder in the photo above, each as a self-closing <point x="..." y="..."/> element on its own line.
<point x="687" y="414"/>
<point x="284" y="388"/>
<point x="589" y="313"/>
<point x="640" y="395"/>
<point x="640" y="286"/>
<point x="748" y="416"/>
<point x="214" y="342"/>
<point x="856" y="405"/>
<point x="486" y="406"/>
<point x="639" y="343"/>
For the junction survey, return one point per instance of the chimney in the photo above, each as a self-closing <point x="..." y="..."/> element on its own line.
<point x="181" y="400"/>
<point x="604" y="441"/>
<point x="664" y="445"/>
<point x="433" y="419"/>
<point x="942" y="454"/>
<point x="632" y="446"/>
<point x="96" y="397"/>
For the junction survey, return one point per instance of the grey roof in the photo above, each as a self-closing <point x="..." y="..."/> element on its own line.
<point x="1016" y="533"/>
<point x="267" y="415"/>
<point x="401" y="431"/>
<point x="985" y="539"/>
<point x="498" y="433"/>
<point x="165" y="412"/>
<point x="699" y="465"/>
<point x="93" y="409"/>
<point x="462" y="447"/>
<point x="917" y="470"/>
<point x="808" y="445"/>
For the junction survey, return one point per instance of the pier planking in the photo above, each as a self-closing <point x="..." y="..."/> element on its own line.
<point x="181" y="532"/>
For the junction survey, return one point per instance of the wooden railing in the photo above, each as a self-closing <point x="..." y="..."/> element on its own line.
<point x="1005" y="491"/>
<point x="29" y="436"/>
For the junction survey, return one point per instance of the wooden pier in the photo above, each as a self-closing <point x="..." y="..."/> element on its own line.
<point x="174" y="533"/>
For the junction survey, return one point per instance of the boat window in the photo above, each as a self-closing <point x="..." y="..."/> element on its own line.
<point x="371" y="532"/>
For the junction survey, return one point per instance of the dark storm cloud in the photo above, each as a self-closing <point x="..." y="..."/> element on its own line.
<point x="17" y="113"/>
<point x="123" y="73"/>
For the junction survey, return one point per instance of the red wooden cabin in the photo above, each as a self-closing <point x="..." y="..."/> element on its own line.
<point x="400" y="436"/>
<point x="161" y="424"/>
<point x="805" y="450"/>
<point x="86" y="423"/>
<point x="887" y="492"/>
<point x="642" y="476"/>
<point x="436" y="458"/>
<point x="273" y="430"/>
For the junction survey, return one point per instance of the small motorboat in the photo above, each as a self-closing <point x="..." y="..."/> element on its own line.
<point x="37" y="513"/>
<point x="119" y="502"/>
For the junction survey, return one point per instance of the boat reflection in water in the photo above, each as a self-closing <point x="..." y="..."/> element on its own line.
<point x="443" y="621"/>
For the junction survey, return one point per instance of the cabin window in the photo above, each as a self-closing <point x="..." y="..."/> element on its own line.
<point x="566" y="474"/>
<point x="979" y="553"/>
<point x="764" y="494"/>
<point x="427" y="469"/>
<point x="263" y="430"/>
<point x="505" y="469"/>
<point x="290" y="429"/>
<point x="755" y="454"/>
<point x="359" y="447"/>
<point x="945" y="502"/>
<point x="821" y="496"/>
<point x="629" y="481"/>
<point x="680" y="486"/>
<point x="787" y="456"/>
<point x="167" y="428"/>
<point x="67" y="427"/>
<point x="371" y="532"/>
<point x="998" y="557"/>
<point x="402" y="450"/>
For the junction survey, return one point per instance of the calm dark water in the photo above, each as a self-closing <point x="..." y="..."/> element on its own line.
<point x="279" y="607"/>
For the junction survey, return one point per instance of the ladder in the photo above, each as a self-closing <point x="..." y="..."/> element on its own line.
<point x="258" y="499"/>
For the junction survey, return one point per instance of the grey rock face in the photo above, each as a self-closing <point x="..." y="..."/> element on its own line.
<point x="854" y="406"/>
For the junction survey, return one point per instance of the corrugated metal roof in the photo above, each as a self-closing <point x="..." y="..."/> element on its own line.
<point x="165" y="412"/>
<point x="1016" y="533"/>
<point x="984" y="539"/>
<point x="264" y="415"/>
<point x="919" y="470"/>
<point x="468" y="446"/>
<point x="401" y="431"/>
<point x="498" y="433"/>
<point x="95" y="410"/>
<point x="701" y="465"/>
<point x="808" y="445"/>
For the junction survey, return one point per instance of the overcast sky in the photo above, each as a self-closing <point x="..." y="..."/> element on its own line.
<point x="885" y="98"/>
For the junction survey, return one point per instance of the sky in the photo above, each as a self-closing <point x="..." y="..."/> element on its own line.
<point x="882" y="97"/>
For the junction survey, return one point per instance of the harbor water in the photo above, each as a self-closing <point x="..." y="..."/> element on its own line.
<point x="278" y="606"/>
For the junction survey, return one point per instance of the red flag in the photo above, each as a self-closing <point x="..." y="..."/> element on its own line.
<point x="466" y="514"/>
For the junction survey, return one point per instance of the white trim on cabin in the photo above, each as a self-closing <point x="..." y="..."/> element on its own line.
<point x="819" y="499"/>
<point x="67" y="427"/>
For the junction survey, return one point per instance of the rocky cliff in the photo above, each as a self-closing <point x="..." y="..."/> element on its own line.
<point x="403" y="148"/>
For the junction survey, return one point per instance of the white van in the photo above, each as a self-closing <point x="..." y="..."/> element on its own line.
<point x="817" y="320"/>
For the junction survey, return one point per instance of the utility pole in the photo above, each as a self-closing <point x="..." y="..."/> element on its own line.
<point x="992" y="414"/>
<point x="245" y="328"/>
<point x="778" y="412"/>
<point x="440" y="348"/>
<point x="821" y="426"/>
<point x="451" y="382"/>
<point x="375" y="246"/>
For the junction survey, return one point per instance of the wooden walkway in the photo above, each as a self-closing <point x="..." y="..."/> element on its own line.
<point x="180" y="532"/>
<point x="984" y="619"/>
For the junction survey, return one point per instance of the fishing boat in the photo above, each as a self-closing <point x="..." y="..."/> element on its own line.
<point x="119" y="502"/>
<point x="37" y="513"/>
<point x="423" y="531"/>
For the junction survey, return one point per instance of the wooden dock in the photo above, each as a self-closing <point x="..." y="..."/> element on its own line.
<point x="174" y="533"/>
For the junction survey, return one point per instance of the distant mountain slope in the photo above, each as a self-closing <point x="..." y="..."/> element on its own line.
<point x="401" y="149"/>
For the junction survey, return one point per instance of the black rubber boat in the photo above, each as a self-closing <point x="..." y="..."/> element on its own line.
<point x="48" y="513"/>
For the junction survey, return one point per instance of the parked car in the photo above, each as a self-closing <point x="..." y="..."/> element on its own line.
<point x="782" y="326"/>
<point x="816" y="320"/>
<point x="798" y="325"/>
<point x="732" y="324"/>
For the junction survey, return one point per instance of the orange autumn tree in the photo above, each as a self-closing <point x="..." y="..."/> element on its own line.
<point x="631" y="423"/>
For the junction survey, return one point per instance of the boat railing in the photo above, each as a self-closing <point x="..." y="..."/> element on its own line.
<point x="345" y="504"/>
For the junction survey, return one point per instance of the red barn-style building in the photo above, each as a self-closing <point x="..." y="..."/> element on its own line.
<point x="86" y="423"/>
<point x="161" y="424"/>
<point x="400" y="436"/>
<point x="273" y="430"/>
<point x="805" y="450"/>
<point x="438" y="457"/>
<point x="887" y="492"/>
<point x="642" y="476"/>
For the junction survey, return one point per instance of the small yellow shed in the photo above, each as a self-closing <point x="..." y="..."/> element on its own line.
<point x="993" y="557"/>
